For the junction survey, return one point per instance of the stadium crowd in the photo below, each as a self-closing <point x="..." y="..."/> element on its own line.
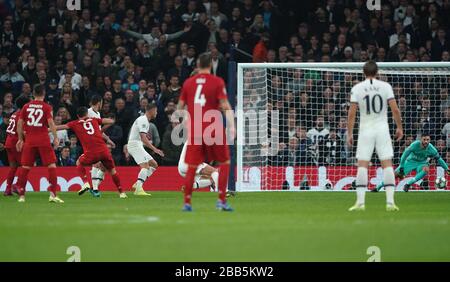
<point x="133" y="53"/>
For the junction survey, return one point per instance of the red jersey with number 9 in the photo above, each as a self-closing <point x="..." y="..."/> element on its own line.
<point x="35" y="117"/>
<point x="202" y="93"/>
<point x="88" y="132"/>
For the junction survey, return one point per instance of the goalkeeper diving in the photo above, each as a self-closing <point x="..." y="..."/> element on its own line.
<point x="416" y="157"/>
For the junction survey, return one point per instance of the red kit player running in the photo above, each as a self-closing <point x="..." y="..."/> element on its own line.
<point x="35" y="119"/>
<point x="203" y="95"/>
<point x="14" y="156"/>
<point x="94" y="147"/>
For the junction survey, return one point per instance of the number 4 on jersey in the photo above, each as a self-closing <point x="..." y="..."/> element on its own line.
<point x="199" y="97"/>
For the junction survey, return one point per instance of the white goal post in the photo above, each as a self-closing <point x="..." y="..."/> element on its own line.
<point x="291" y="120"/>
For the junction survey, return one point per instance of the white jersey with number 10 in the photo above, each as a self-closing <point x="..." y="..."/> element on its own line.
<point x="372" y="97"/>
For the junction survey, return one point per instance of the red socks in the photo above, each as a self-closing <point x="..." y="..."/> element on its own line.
<point x="82" y="172"/>
<point x="52" y="179"/>
<point x="22" y="181"/>
<point x="10" y="179"/>
<point x="224" y="171"/>
<point x="188" y="183"/>
<point x="116" y="180"/>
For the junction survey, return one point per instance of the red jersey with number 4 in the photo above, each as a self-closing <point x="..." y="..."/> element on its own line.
<point x="35" y="116"/>
<point x="202" y="93"/>
<point x="88" y="132"/>
<point x="11" y="131"/>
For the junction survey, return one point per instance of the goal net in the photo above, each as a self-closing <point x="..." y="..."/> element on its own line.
<point x="292" y="118"/>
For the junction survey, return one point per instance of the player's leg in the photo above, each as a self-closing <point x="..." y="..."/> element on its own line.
<point x="364" y="151"/>
<point x="13" y="166"/>
<point x="147" y="164"/>
<point x="422" y="170"/>
<point x="97" y="175"/>
<point x="209" y="177"/>
<point x="27" y="161"/>
<point x="48" y="158"/>
<point x="389" y="184"/>
<point x="108" y="163"/>
<point x="221" y="154"/>
<point x="82" y="162"/>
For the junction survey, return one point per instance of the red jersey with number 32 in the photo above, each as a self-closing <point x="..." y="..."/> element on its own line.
<point x="88" y="132"/>
<point x="11" y="130"/>
<point x="202" y="93"/>
<point x="35" y="116"/>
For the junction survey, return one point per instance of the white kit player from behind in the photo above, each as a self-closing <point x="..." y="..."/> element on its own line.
<point x="135" y="147"/>
<point x="372" y="97"/>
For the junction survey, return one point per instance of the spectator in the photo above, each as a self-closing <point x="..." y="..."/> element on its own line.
<point x="71" y="76"/>
<point x="115" y="133"/>
<point x="171" y="151"/>
<point x="332" y="150"/>
<point x="75" y="149"/>
<point x="64" y="158"/>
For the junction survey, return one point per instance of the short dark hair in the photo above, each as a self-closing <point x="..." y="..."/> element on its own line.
<point x="96" y="99"/>
<point x="22" y="101"/>
<point x="150" y="107"/>
<point x="82" y="112"/>
<point x="38" y="90"/>
<point x="204" y="60"/>
<point x="370" y="68"/>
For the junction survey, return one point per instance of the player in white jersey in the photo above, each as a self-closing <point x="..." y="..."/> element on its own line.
<point x="98" y="170"/>
<point x="205" y="175"/>
<point x="373" y="97"/>
<point x="135" y="147"/>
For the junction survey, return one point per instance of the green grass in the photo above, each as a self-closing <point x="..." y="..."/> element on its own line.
<point x="285" y="226"/>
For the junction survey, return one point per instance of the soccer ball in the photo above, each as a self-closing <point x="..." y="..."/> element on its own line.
<point x="328" y="185"/>
<point x="441" y="183"/>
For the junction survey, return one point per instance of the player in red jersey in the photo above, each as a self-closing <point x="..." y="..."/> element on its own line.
<point x="36" y="118"/>
<point x="10" y="145"/>
<point x="94" y="147"/>
<point x="205" y="97"/>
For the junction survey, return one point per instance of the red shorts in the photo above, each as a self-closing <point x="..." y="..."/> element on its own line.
<point x="104" y="157"/>
<point x="197" y="154"/>
<point x="14" y="156"/>
<point x="45" y="152"/>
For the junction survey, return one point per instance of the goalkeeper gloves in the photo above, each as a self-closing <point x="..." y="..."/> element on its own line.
<point x="401" y="173"/>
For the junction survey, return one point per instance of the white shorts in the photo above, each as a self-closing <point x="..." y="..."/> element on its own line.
<point x="183" y="168"/>
<point x="374" y="138"/>
<point x="137" y="151"/>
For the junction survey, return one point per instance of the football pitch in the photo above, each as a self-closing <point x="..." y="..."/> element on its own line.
<point x="284" y="226"/>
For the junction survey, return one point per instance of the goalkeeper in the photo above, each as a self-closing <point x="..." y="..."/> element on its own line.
<point x="416" y="158"/>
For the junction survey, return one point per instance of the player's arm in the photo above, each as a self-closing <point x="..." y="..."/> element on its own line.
<point x="149" y="144"/>
<point x="406" y="154"/>
<point x="396" y="114"/>
<point x="20" y="135"/>
<point x="61" y="127"/>
<point x="107" y="121"/>
<point x="351" y="122"/>
<point x="52" y="127"/>
<point x="435" y="154"/>
<point x="226" y="109"/>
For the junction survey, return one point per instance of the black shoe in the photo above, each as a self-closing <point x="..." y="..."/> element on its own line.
<point x="374" y="190"/>
<point x="406" y="187"/>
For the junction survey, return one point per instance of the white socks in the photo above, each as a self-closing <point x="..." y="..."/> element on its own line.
<point x="97" y="176"/>
<point x="389" y="184"/>
<point x="361" y="185"/>
<point x="143" y="175"/>
<point x="202" y="183"/>
<point x="215" y="178"/>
